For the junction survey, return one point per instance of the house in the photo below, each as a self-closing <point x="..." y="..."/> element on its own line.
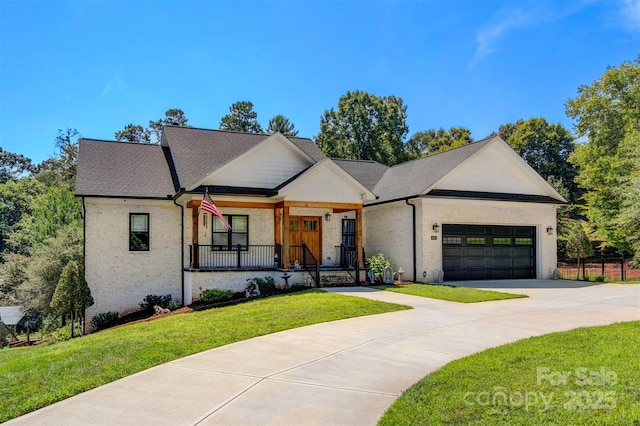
<point x="478" y="211"/>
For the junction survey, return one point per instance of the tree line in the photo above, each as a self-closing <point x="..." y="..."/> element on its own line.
<point x="596" y="168"/>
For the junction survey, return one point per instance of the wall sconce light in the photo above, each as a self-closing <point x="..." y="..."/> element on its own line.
<point x="327" y="216"/>
<point x="435" y="227"/>
<point x="549" y="230"/>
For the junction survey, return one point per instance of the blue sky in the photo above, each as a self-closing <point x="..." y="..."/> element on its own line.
<point x="99" y="65"/>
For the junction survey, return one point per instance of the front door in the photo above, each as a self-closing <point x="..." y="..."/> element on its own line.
<point x="305" y="229"/>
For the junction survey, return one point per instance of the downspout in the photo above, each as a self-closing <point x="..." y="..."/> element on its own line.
<point x="175" y="197"/>
<point x="413" y="235"/>
<point x="84" y="258"/>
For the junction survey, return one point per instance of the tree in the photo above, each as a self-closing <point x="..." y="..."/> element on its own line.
<point x="432" y="141"/>
<point x="282" y="124"/>
<point x="241" y="118"/>
<point x="13" y="166"/>
<point x="607" y="113"/>
<point x="172" y="117"/>
<point x="133" y="133"/>
<point x="16" y="202"/>
<point x="60" y="169"/>
<point x="365" y="127"/>
<point x="578" y="245"/>
<point x="72" y="294"/>
<point x="546" y="147"/>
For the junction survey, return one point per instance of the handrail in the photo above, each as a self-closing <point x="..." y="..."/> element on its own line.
<point x="309" y="259"/>
<point x="352" y="262"/>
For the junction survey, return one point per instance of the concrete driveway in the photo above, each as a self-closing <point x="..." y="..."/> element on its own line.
<point x="339" y="373"/>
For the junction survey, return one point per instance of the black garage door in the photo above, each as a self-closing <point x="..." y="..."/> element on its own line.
<point x="484" y="252"/>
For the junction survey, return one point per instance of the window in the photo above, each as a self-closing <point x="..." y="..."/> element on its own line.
<point x="475" y="241"/>
<point x="228" y="239"/>
<point x="524" y="241"/>
<point x="452" y="240"/>
<point x="139" y="232"/>
<point x="501" y="241"/>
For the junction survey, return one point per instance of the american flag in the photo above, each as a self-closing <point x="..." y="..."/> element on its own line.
<point x="208" y="206"/>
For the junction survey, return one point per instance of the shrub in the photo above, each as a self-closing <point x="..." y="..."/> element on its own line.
<point x="377" y="263"/>
<point x="175" y="305"/>
<point x="104" y="320"/>
<point x="266" y="285"/>
<point x="152" y="300"/>
<point x="216" y="295"/>
<point x="599" y="278"/>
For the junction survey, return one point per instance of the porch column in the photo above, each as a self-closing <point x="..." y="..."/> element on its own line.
<point x="195" y="216"/>
<point x="286" y="262"/>
<point x="277" y="237"/>
<point x="359" y="236"/>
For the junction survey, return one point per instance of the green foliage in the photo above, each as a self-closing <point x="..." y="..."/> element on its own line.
<point x="61" y="169"/>
<point x="578" y="244"/>
<point x="37" y="376"/>
<point x="133" y="133"/>
<point x="377" y="263"/>
<point x="13" y="166"/>
<point x="51" y="210"/>
<point x="434" y="141"/>
<point x="365" y="127"/>
<point x="282" y="124"/>
<point x="13" y="274"/>
<point x="152" y="300"/>
<point x="607" y="113"/>
<point x="241" y="118"/>
<point x="48" y="262"/>
<point x="216" y="295"/>
<point x="72" y="294"/>
<point x="546" y="147"/>
<point x="16" y="202"/>
<point x="174" y="305"/>
<point x="104" y="320"/>
<point x="172" y="117"/>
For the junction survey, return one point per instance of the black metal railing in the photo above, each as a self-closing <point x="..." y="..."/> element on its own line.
<point x="349" y="262"/>
<point x="236" y="257"/>
<point x="306" y="260"/>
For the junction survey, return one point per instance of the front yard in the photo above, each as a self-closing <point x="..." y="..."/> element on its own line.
<point x="33" y="377"/>
<point x="450" y="293"/>
<point x="587" y="376"/>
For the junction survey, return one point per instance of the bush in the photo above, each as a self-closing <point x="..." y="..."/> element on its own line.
<point x="175" y="305"/>
<point x="216" y="295"/>
<point x="266" y="285"/>
<point x="104" y="320"/>
<point x="598" y="279"/>
<point x="152" y="300"/>
<point x="377" y="263"/>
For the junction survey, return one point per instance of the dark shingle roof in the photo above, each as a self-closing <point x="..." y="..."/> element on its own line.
<point x="415" y="177"/>
<point x="122" y="169"/>
<point x="200" y="152"/>
<point x="367" y="172"/>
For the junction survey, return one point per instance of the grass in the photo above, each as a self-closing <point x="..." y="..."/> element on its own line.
<point x="37" y="376"/>
<point x="506" y="385"/>
<point x="450" y="293"/>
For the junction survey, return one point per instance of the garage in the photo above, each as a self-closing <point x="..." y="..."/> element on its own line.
<point x="485" y="252"/>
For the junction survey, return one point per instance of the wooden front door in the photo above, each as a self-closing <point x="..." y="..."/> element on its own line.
<point x="305" y="229"/>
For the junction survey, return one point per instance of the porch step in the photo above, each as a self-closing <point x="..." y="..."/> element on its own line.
<point x="335" y="279"/>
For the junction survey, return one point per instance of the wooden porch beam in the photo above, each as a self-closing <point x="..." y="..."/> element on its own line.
<point x="238" y="204"/>
<point x="359" y="237"/>
<point x="195" y="216"/>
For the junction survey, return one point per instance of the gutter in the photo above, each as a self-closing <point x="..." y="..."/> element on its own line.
<point x="175" y="197"/>
<point x="413" y="235"/>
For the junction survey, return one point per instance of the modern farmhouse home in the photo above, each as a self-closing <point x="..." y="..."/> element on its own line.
<point x="474" y="212"/>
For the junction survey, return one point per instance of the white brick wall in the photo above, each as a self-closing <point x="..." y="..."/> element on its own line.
<point x="118" y="278"/>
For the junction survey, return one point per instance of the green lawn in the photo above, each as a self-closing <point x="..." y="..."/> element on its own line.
<point x="37" y="376"/>
<point x="587" y="376"/>
<point x="450" y="293"/>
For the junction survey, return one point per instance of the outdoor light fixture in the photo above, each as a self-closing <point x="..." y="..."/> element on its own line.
<point x="435" y="227"/>
<point x="549" y="230"/>
<point x="327" y="216"/>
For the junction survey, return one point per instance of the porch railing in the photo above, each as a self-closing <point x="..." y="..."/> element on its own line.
<point x="349" y="262"/>
<point x="306" y="260"/>
<point x="235" y="257"/>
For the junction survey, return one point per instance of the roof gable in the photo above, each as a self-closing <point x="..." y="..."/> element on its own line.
<point x="495" y="168"/>
<point x="415" y="177"/>
<point x="266" y="165"/>
<point x="326" y="181"/>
